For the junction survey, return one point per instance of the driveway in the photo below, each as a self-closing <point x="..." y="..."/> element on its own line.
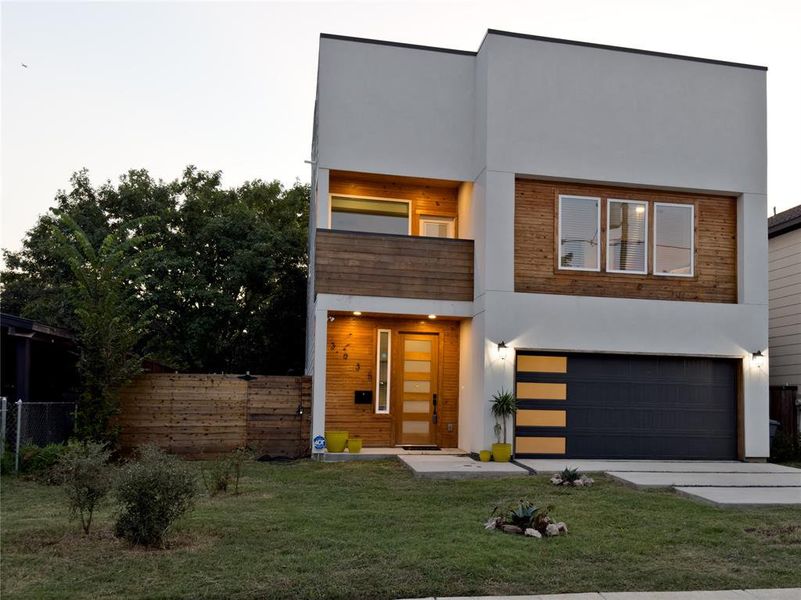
<point x="722" y="483"/>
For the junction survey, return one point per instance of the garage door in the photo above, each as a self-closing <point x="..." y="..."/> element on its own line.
<point x="625" y="406"/>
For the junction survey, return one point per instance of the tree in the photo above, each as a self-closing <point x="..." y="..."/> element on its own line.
<point x="229" y="284"/>
<point x="105" y="294"/>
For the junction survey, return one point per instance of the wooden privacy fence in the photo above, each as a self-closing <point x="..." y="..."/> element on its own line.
<point x="202" y="416"/>
<point x="783" y="407"/>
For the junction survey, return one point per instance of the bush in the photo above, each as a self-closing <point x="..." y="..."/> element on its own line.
<point x="785" y="447"/>
<point x="86" y="475"/>
<point x="225" y="471"/>
<point x="39" y="462"/>
<point x="218" y="476"/>
<point x="153" y="493"/>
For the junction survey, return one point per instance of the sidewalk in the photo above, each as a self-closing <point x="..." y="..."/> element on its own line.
<point x="777" y="594"/>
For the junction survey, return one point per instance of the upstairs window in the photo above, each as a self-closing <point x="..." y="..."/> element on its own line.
<point x="627" y="236"/>
<point x="674" y="226"/>
<point x="370" y="215"/>
<point x="579" y="233"/>
<point x="441" y="227"/>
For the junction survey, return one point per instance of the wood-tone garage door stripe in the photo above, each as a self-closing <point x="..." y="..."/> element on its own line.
<point x="541" y="391"/>
<point x="541" y="418"/>
<point x="540" y="445"/>
<point x="542" y="364"/>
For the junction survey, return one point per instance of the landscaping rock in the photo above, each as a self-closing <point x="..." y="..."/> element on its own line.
<point x="552" y="530"/>
<point x="556" y="480"/>
<point x="532" y="533"/>
<point x="562" y="527"/>
<point x="511" y="529"/>
<point x="492" y="523"/>
<point x="578" y="483"/>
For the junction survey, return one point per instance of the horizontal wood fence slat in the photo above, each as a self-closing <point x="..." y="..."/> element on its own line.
<point x="204" y="416"/>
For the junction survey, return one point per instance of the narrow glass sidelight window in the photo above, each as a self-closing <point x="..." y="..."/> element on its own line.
<point x="627" y="236"/>
<point x="370" y="215"/>
<point x="382" y="371"/>
<point x="579" y="233"/>
<point x="674" y="239"/>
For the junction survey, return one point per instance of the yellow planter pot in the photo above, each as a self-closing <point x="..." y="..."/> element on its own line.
<point x="485" y="455"/>
<point x="502" y="452"/>
<point x="354" y="445"/>
<point x="335" y="440"/>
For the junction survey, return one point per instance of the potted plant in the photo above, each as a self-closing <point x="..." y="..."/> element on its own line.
<point x="503" y="406"/>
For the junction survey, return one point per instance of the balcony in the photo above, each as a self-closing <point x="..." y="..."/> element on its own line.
<point x="393" y="266"/>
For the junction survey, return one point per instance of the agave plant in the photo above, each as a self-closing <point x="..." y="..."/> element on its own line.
<point x="523" y="514"/>
<point x="569" y="476"/>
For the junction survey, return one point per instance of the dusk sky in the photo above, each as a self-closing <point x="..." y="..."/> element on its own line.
<point x="230" y="86"/>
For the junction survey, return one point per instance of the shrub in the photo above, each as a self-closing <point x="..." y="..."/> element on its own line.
<point x="86" y="475"/>
<point x="153" y="493"/>
<point x="223" y="472"/>
<point x="785" y="447"/>
<point x="217" y="478"/>
<point x="239" y="457"/>
<point x="39" y="462"/>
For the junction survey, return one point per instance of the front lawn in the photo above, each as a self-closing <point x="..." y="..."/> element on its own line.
<point x="370" y="530"/>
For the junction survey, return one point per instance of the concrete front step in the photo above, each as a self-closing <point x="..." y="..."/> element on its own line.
<point x="458" y="467"/>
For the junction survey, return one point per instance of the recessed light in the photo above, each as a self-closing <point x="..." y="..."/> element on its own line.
<point x="432" y="316"/>
<point x="357" y="313"/>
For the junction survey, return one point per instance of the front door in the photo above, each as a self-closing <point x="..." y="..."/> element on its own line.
<point x="418" y="390"/>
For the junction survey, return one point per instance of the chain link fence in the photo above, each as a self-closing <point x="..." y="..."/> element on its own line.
<point x="39" y="423"/>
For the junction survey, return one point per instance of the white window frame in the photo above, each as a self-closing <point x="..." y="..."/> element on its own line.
<point x="692" y="239"/>
<point x="559" y="234"/>
<point x="645" y="241"/>
<point x="449" y="221"/>
<point x="360" y="197"/>
<point x="379" y="411"/>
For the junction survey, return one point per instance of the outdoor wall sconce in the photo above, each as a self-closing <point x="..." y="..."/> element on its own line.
<point x="758" y="359"/>
<point x="502" y="350"/>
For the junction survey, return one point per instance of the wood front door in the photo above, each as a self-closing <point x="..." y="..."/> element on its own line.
<point x="419" y="386"/>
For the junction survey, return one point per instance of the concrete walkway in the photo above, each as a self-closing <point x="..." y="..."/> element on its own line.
<point x="458" y="467"/>
<point x="724" y="483"/>
<point x="777" y="594"/>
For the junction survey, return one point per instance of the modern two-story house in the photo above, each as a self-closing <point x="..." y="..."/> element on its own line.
<point x="581" y="224"/>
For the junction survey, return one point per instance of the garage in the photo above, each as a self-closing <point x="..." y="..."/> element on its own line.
<point x="625" y="406"/>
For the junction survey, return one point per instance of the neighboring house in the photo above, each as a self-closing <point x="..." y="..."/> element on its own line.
<point x="784" y="288"/>
<point x="583" y="224"/>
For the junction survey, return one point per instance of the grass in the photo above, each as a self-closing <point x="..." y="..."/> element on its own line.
<point x="370" y="530"/>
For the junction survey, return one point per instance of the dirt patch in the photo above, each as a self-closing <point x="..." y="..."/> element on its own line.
<point x="781" y="534"/>
<point x="102" y="541"/>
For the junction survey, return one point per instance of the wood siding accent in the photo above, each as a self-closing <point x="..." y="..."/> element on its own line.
<point x="395" y="266"/>
<point x="202" y="416"/>
<point x="536" y="246"/>
<point x="351" y="366"/>
<point x="429" y="197"/>
<point x="784" y="324"/>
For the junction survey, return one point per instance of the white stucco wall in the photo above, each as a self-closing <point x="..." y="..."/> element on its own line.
<point x="554" y="110"/>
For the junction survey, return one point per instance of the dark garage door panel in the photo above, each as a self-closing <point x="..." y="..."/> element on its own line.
<point x="643" y="407"/>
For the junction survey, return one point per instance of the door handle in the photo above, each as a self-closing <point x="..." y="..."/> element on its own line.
<point x="434" y="414"/>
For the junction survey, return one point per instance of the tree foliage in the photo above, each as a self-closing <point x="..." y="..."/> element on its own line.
<point x="106" y="294"/>
<point x="227" y="286"/>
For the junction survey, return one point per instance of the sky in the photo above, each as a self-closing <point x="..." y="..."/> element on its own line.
<point x="230" y="86"/>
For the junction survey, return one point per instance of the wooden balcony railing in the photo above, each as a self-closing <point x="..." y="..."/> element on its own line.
<point x="395" y="266"/>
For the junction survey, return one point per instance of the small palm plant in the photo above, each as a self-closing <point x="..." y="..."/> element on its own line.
<point x="503" y="406"/>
